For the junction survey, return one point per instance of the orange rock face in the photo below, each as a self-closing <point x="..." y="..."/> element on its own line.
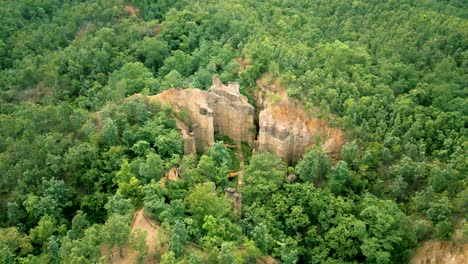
<point x="435" y="252"/>
<point x="287" y="130"/>
<point x="221" y="109"/>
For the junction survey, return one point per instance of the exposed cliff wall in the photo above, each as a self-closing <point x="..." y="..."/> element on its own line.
<point x="434" y="252"/>
<point x="285" y="127"/>
<point x="195" y="116"/>
<point x="221" y="109"/>
<point x="233" y="116"/>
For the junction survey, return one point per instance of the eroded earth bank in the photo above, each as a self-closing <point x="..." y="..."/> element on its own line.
<point x="276" y="124"/>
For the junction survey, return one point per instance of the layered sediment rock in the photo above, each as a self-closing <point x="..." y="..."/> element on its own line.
<point x="287" y="130"/>
<point x="233" y="116"/>
<point x="221" y="109"/>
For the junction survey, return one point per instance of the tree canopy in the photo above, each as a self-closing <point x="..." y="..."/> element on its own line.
<point x="77" y="158"/>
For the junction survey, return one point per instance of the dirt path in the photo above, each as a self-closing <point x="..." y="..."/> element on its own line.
<point x="130" y="256"/>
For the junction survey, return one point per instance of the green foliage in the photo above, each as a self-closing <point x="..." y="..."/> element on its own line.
<point x="13" y="242"/>
<point x="86" y="249"/>
<point x="79" y="224"/>
<point x="391" y="74"/>
<point x="226" y="255"/>
<point x="152" y="169"/>
<point x="129" y="185"/>
<point x="109" y="133"/>
<point x="44" y="230"/>
<point x="203" y="201"/>
<point x="314" y="166"/>
<point x="115" y="232"/>
<point x="137" y="242"/>
<point x="118" y="204"/>
<point x="132" y="78"/>
<point x="152" y="52"/>
<point x="384" y="230"/>
<point x="263" y="177"/>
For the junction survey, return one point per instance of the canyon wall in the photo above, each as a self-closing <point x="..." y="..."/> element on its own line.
<point x="287" y="129"/>
<point x="437" y="252"/>
<point x="233" y="115"/>
<point x="221" y="109"/>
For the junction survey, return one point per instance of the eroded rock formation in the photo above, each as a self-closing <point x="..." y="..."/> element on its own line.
<point x="221" y="109"/>
<point x="436" y="252"/>
<point x="285" y="127"/>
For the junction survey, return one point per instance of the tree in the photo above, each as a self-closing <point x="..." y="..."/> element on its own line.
<point x="137" y="242"/>
<point x="339" y="177"/>
<point x="263" y="177"/>
<point x="152" y="51"/>
<point x="314" y="166"/>
<point x="132" y="78"/>
<point x="203" y="201"/>
<point x="440" y="210"/>
<point x="180" y="62"/>
<point x="13" y="242"/>
<point x="152" y="169"/>
<point x="168" y="258"/>
<point x="79" y="224"/>
<point x="16" y="214"/>
<point x="109" y="133"/>
<point x="117" y="204"/>
<point x="154" y="200"/>
<point x="84" y="250"/>
<point x="129" y="185"/>
<point x="220" y="154"/>
<point x="115" y="232"/>
<point x="208" y="168"/>
<point x="289" y="251"/>
<point x="52" y="201"/>
<point x="178" y="238"/>
<point x="93" y="206"/>
<point x="172" y="80"/>
<point x="385" y="232"/>
<point x="169" y="144"/>
<point x="44" y="229"/>
<point x="226" y="255"/>
<point x="172" y="213"/>
<point x="261" y="237"/>
<point x="53" y="246"/>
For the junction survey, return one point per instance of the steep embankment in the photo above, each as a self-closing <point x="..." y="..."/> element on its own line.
<point x="201" y="114"/>
<point x="435" y="252"/>
<point x="287" y="129"/>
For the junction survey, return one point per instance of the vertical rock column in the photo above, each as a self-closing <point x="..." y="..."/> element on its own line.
<point x="203" y="130"/>
<point x="233" y="116"/>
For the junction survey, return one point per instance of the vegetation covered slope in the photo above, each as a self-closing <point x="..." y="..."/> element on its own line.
<point x="75" y="159"/>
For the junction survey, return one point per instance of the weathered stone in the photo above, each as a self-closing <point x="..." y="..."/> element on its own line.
<point x="221" y="109"/>
<point x="286" y="129"/>
<point x="235" y="199"/>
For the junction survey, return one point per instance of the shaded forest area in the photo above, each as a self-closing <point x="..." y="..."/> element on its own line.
<point x="76" y="160"/>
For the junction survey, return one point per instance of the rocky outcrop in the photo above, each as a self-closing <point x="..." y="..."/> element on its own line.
<point x="201" y="114"/>
<point x="436" y="252"/>
<point x="233" y="116"/>
<point x="286" y="129"/>
<point x="236" y="200"/>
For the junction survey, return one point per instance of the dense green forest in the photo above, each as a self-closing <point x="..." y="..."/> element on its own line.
<point x="76" y="160"/>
